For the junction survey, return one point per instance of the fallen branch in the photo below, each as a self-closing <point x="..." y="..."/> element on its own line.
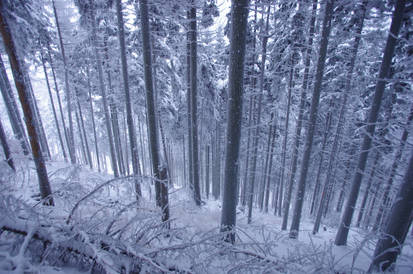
<point x="91" y="193"/>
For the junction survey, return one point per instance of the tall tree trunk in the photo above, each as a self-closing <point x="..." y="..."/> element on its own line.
<point x="125" y="143"/>
<point x="44" y="146"/>
<point x="129" y="116"/>
<point x="89" y="88"/>
<point x="18" y="76"/>
<point x="348" y="171"/>
<point x="389" y="246"/>
<point x="6" y="148"/>
<point x="216" y="180"/>
<point x="269" y="177"/>
<point x="265" y="171"/>
<point x="188" y="97"/>
<point x="320" y="166"/>
<point x="342" y="233"/>
<point x="53" y="106"/>
<point x="252" y="107"/>
<point x="102" y="87"/>
<point x="12" y="109"/>
<point x="257" y="131"/>
<point x="194" y="109"/>
<point x="284" y="148"/>
<point x="298" y="128"/>
<point x="113" y="109"/>
<point x="385" y="202"/>
<point x="341" y="120"/>
<point x="367" y="190"/>
<point x="312" y="120"/>
<point x="207" y="168"/>
<point x="82" y="142"/>
<point x="71" y="143"/>
<point x="82" y="124"/>
<point x="165" y="153"/>
<point x="162" y="195"/>
<point x="59" y="101"/>
<point x="183" y="159"/>
<point x="239" y="18"/>
<point x="247" y="156"/>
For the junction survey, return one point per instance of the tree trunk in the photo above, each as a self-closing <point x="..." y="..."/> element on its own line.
<point x="247" y="156"/>
<point x="269" y="175"/>
<point x="189" y="119"/>
<point x="184" y="160"/>
<point x="113" y="109"/>
<point x="12" y="109"/>
<point x="252" y="107"/>
<point x="342" y="233"/>
<point x="207" y="168"/>
<point x="125" y="143"/>
<point x="320" y="165"/>
<point x="385" y="202"/>
<point x="59" y="101"/>
<point x="53" y="106"/>
<point x="284" y="149"/>
<point x="312" y="120"/>
<point x="129" y="116"/>
<point x="216" y="180"/>
<point x="102" y="87"/>
<point x="298" y="128"/>
<point x="93" y="118"/>
<point x="151" y="112"/>
<point x="6" y="148"/>
<point x="258" y="121"/>
<point x="266" y="167"/>
<point x="18" y="76"/>
<point x="399" y="220"/>
<point x="71" y="143"/>
<point x="82" y="124"/>
<point x="367" y="190"/>
<point x="165" y="153"/>
<point x="367" y="218"/>
<point x="37" y="118"/>
<point x="239" y="18"/>
<point x="82" y="143"/>
<point x="193" y="100"/>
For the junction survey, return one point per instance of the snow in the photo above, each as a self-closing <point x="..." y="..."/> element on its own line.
<point x="193" y="242"/>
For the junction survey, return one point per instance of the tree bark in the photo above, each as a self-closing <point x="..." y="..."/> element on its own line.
<point x="298" y="128"/>
<point x="342" y="233"/>
<point x="312" y="120"/>
<point x="386" y="199"/>
<point x="12" y="109"/>
<point x="82" y="124"/>
<point x="71" y="144"/>
<point x="93" y="119"/>
<point x="269" y="177"/>
<point x="320" y="166"/>
<point x="239" y="18"/>
<point x="367" y="191"/>
<point x="6" y="148"/>
<point x="389" y="246"/>
<point x="102" y="87"/>
<point x="151" y="112"/>
<point x="193" y="101"/>
<point x="44" y="146"/>
<point x="53" y="106"/>
<point x="257" y="130"/>
<point x="18" y="76"/>
<point x="129" y="117"/>
<point x="59" y="101"/>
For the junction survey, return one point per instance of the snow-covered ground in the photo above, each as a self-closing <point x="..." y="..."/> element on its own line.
<point x="192" y="244"/>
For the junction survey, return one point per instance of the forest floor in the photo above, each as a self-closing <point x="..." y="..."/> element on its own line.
<point x="88" y="206"/>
